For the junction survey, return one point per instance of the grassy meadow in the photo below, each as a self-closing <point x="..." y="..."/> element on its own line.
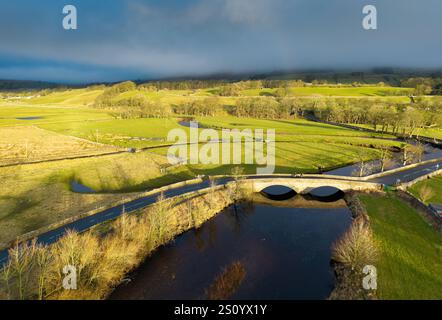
<point x="23" y="144"/>
<point x="65" y="124"/>
<point x="26" y="206"/>
<point x="409" y="261"/>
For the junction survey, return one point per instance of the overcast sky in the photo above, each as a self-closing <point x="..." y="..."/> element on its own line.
<point x="133" y="39"/>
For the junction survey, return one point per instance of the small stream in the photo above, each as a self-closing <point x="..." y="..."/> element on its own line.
<point x="80" y="188"/>
<point x="186" y="123"/>
<point x="29" y="118"/>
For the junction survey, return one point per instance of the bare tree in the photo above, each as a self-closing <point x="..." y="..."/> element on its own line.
<point x="386" y="160"/>
<point x="212" y="182"/>
<point x="417" y="151"/>
<point x="364" y="167"/>
<point x="426" y="193"/>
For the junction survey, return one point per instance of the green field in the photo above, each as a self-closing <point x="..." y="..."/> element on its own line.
<point x="36" y="195"/>
<point x="410" y="250"/>
<point x="301" y="146"/>
<point x="59" y="118"/>
<point x="86" y="97"/>
<point x="48" y="115"/>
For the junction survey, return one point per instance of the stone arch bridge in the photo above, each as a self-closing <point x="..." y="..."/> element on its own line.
<point x="306" y="185"/>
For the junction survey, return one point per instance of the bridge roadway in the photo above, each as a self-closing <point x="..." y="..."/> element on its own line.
<point x="303" y="184"/>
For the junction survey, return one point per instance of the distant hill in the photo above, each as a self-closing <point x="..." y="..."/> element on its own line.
<point x="26" y="84"/>
<point x="387" y="75"/>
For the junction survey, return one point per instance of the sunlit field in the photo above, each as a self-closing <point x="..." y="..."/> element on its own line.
<point x="63" y="125"/>
<point x="410" y="250"/>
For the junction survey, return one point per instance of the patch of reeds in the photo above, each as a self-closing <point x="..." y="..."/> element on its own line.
<point x="102" y="260"/>
<point x="350" y="254"/>
<point x="356" y="247"/>
<point x="228" y="282"/>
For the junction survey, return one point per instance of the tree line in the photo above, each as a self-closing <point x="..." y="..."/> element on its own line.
<point x="138" y="106"/>
<point x="398" y="118"/>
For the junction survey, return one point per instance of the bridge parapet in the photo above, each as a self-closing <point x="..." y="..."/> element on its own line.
<point x="304" y="186"/>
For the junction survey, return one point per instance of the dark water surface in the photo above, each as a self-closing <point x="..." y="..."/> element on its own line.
<point x="259" y="251"/>
<point x="80" y="188"/>
<point x="29" y="118"/>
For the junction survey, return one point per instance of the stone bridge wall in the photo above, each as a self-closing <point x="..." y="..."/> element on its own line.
<point x="304" y="186"/>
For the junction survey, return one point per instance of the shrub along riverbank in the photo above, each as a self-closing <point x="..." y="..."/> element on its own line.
<point x="104" y="255"/>
<point x="390" y="235"/>
<point x="351" y="253"/>
<point x="410" y="249"/>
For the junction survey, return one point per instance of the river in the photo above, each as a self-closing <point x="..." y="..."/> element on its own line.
<point x="264" y="250"/>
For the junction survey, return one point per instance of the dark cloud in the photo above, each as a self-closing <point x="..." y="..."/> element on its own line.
<point x="140" y="39"/>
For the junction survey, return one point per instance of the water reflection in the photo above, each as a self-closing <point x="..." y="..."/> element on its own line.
<point x="29" y="118"/>
<point x="278" y="193"/>
<point x="80" y="188"/>
<point x="262" y="250"/>
<point x="327" y="194"/>
<point x="227" y="283"/>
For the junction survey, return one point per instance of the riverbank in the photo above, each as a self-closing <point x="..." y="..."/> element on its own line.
<point x="104" y="255"/>
<point x="352" y="252"/>
<point x="259" y="249"/>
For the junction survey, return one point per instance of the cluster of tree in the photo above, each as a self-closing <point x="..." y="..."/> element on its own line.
<point x="400" y="118"/>
<point x="282" y="83"/>
<point x="255" y="107"/>
<point x="210" y="106"/>
<point x="138" y="106"/>
<point x="231" y="90"/>
<point x="424" y="85"/>
<point x="282" y="87"/>
<point x="107" y="98"/>
<point x="266" y="108"/>
<point x="406" y="119"/>
<point x="225" y="88"/>
<point x="181" y="85"/>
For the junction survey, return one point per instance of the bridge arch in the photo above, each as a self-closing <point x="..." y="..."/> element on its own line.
<point x="326" y="193"/>
<point x="306" y="185"/>
<point x="278" y="192"/>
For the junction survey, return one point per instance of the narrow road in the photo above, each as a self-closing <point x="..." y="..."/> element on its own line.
<point x="409" y="174"/>
<point x="86" y="223"/>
